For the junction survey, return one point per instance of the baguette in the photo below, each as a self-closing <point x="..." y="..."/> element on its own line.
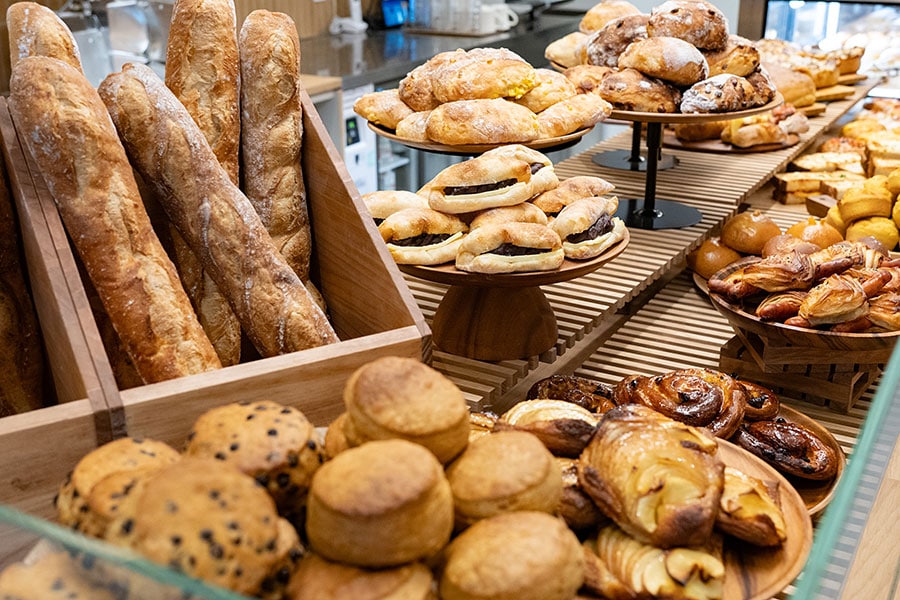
<point x="67" y="130"/>
<point x="272" y="133"/>
<point x="214" y="217"/>
<point x="35" y="30"/>
<point x="202" y="71"/>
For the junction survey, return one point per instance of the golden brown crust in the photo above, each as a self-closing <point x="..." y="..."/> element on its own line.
<point x="383" y="108"/>
<point x="317" y="578"/>
<point x="571" y="189"/>
<point x="35" y="30"/>
<point x="495" y="121"/>
<point x="738" y="57"/>
<point x="587" y="78"/>
<point x="383" y="203"/>
<point x="563" y="427"/>
<point x="552" y="87"/>
<point x="695" y="21"/>
<point x="629" y="89"/>
<point x="605" y="11"/>
<point x="761" y="403"/>
<point x="667" y="58"/>
<point x="605" y="45"/>
<point x="484" y="73"/>
<point x="695" y="132"/>
<point x="797" y="88"/>
<point x="587" y="393"/>
<point x="90" y="178"/>
<point x="272" y="133"/>
<point x="568" y="50"/>
<point x="587" y="227"/>
<point x="525" y="212"/>
<point x="414" y="126"/>
<point x="416" y="88"/>
<point x="789" y="447"/>
<point x="277" y="312"/>
<point x="575" y="507"/>
<point x="415" y="222"/>
<point x="750" y="510"/>
<point x="572" y="114"/>
<point x="476" y="251"/>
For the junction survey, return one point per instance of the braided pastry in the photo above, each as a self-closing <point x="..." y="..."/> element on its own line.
<point x="698" y="397"/>
<point x="592" y="395"/>
<point x="789" y="447"/>
<point x="761" y="403"/>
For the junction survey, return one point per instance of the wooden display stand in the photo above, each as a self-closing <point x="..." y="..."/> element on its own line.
<point x="816" y="375"/>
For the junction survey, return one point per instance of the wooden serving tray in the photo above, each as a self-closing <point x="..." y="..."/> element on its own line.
<point x="670" y="140"/>
<point x="835" y="92"/>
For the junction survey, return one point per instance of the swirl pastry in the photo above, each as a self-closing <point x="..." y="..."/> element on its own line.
<point x="563" y="427"/>
<point x="698" y="397"/>
<point x="761" y="403"/>
<point x="749" y="510"/>
<point x="592" y="395"/>
<point x="789" y="447"/>
<point x="658" y="479"/>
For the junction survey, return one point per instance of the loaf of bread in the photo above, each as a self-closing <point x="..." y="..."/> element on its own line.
<point x="21" y="352"/>
<point x="35" y="30"/>
<point x="67" y="130"/>
<point x="272" y="133"/>
<point x="202" y="71"/>
<point x="215" y="218"/>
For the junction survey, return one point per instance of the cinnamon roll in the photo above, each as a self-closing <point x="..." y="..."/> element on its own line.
<point x="761" y="403"/>
<point x="589" y="394"/>
<point x="698" y="397"/>
<point x="789" y="447"/>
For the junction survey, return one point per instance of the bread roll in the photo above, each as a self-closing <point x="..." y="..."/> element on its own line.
<point x="552" y="87"/>
<point x="738" y="57"/>
<point x="603" y="47"/>
<point x="797" y="88"/>
<point x="711" y="256"/>
<point x="417" y="90"/>
<point x="605" y="11"/>
<point x="510" y="248"/>
<point x="414" y="126"/>
<point x="629" y="89"/>
<point x="666" y="58"/>
<point x="568" y="50"/>
<point x="35" y="30"/>
<point x="588" y="227"/>
<point x="422" y="236"/>
<point x="695" y="132"/>
<point x="695" y="21"/>
<point x="272" y="133"/>
<point x="722" y="93"/>
<point x="587" y="78"/>
<point x="572" y="114"/>
<point x="203" y="71"/>
<point x="496" y="121"/>
<point x="76" y="148"/>
<point x="271" y="302"/>
<point x="749" y="231"/>
<point x="483" y="73"/>
<point x="383" y="107"/>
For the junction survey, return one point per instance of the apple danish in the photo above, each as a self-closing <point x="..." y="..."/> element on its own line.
<point x="698" y="397"/>
<point x="749" y="510"/>
<point x="563" y="427"/>
<point x="789" y="447"/>
<point x="658" y="479"/>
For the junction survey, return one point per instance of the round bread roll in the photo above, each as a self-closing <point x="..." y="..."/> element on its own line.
<point x="382" y="504"/>
<point x="572" y="114"/>
<point x="568" y="50"/>
<point x="893" y="182"/>
<point x="502" y="472"/>
<point x="510" y="248"/>
<point x="667" y="58"/>
<point x="749" y="231"/>
<point x="383" y="108"/>
<point x="273" y="443"/>
<point x="383" y="203"/>
<point x="416" y="88"/>
<point x="394" y="397"/>
<point x="484" y="73"/>
<point x="525" y="212"/>
<point x="815" y="231"/>
<point x="570" y="190"/>
<point x="738" y="57"/>
<point x="695" y="21"/>
<point x="605" y="11"/>
<point x="496" y="121"/>
<point x="586" y="78"/>
<point x="523" y="555"/>
<point x="882" y="229"/>
<point x="787" y="243"/>
<point x="603" y="47"/>
<point x="629" y="89"/>
<point x="833" y="218"/>
<point x="588" y="227"/>
<point x="722" y="93"/>
<point x="711" y="256"/>
<point x="320" y="579"/>
<point x="414" y="127"/>
<point x="552" y="87"/>
<point x="422" y="236"/>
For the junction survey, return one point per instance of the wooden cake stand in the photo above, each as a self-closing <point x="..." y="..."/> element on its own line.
<point x="652" y="213"/>
<point x="503" y="316"/>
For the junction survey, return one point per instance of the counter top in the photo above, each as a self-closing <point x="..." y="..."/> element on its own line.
<point x="384" y="57"/>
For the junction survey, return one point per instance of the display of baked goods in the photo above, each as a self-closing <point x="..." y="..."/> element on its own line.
<point x="771" y="130"/>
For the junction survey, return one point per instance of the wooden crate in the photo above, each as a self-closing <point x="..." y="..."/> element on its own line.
<point x="369" y="303"/>
<point x="833" y="384"/>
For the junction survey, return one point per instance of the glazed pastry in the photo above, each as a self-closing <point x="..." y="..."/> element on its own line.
<point x="789" y="447"/>
<point x="629" y="89"/>
<point x="761" y="403"/>
<point x="565" y="428"/>
<point x="884" y="311"/>
<point x="731" y="282"/>
<point x="667" y="58"/>
<point x="576" y="507"/>
<point x="422" y="236"/>
<point x="838" y="299"/>
<point x="604" y="47"/>
<point x="750" y="511"/>
<point x="698" y="397"/>
<point x="781" y="272"/>
<point x="697" y="22"/>
<point x="480" y="424"/>
<point x="780" y="306"/>
<point x="589" y="394"/>
<point x="658" y="479"/>
<point x="571" y="189"/>
<point x="588" y="227"/>
<point x="645" y="571"/>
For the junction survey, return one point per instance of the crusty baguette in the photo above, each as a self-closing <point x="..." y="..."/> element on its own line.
<point x="272" y="132"/>
<point x="202" y="71"/>
<point x="67" y="130"/>
<point x="212" y="214"/>
<point x="35" y="30"/>
<point x="21" y="351"/>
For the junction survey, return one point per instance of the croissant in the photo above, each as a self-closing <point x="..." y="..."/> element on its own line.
<point x="749" y="510"/>
<point x="789" y="447"/>
<point x="563" y="427"/>
<point x="649" y="572"/>
<point x="592" y="395"/>
<point x="761" y="403"/>
<point x="698" y="397"/>
<point x="781" y="272"/>
<point x="658" y="479"/>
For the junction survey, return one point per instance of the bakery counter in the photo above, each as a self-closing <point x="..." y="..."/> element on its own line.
<point x="376" y="57"/>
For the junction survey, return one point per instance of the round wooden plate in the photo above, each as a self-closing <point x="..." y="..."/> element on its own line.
<point x="474" y="149"/>
<point x="720" y="147"/>
<point x="647" y="117"/>
<point x="753" y="573"/>
<point x="450" y="275"/>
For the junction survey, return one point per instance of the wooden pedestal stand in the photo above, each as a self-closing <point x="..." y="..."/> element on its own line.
<point x="503" y="316"/>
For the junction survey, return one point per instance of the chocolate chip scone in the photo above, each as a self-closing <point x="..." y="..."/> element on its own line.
<point x="273" y="443"/>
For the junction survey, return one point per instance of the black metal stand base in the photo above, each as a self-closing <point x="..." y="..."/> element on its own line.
<point x="664" y="214"/>
<point x="624" y="160"/>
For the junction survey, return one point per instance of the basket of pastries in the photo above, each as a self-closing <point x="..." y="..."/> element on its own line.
<point x="469" y="100"/>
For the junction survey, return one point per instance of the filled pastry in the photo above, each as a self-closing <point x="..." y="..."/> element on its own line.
<point x="789" y="447"/>
<point x="749" y="510"/>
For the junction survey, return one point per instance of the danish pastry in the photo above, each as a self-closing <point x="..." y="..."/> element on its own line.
<point x="589" y="394"/>
<point x="576" y="507"/>
<point x="789" y="447"/>
<point x="749" y="510"/>
<point x="564" y="428"/>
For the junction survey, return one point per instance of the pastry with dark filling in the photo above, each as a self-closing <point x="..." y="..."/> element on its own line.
<point x="510" y="248"/>
<point x="588" y="227"/>
<point x="422" y="236"/>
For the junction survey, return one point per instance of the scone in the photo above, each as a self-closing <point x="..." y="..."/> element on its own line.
<point x="572" y="114"/>
<point x="588" y="227"/>
<point x="383" y="108"/>
<point x="320" y="579"/>
<point x="496" y="121"/>
<point x="382" y="504"/>
<point x="273" y="443"/>
<point x="523" y="555"/>
<point x="53" y="576"/>
<point x="510" y="248"/>
<point x="395" y="397"/>
<point x="571" y="189"/>
<point x="335" y="438"/>
<point x="422" y="236"/>
<point x="552" y="87"/>
<point x="501" y="472"/>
